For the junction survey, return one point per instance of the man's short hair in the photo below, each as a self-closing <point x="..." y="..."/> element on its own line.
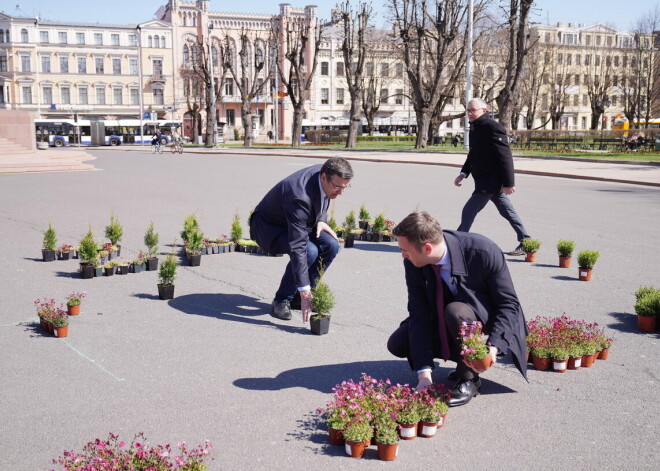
<point x="419" y="228"/>
<point x="479" y="102"/>
<point x="337" y="166"/>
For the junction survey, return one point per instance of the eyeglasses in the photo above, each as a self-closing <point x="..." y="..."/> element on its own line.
<point x="474" y="110"/>
<point x="338" y="187"/>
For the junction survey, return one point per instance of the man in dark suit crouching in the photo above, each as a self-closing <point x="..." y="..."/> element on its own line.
<point x="291" y="219"/>
<point x="474" y="285"/>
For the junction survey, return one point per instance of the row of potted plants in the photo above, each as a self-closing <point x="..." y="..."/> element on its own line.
<point x="586" y="258"/>
<point x="54" y="319"/>
<point x="562" y="343"/>
<point x="647" y="308"/>
<point x="378" y="230"/>
<point x="375" y="411"/>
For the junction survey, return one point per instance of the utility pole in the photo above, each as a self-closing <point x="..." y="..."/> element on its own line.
<point x="468" y="75"/>
<point x="212" y="86"/>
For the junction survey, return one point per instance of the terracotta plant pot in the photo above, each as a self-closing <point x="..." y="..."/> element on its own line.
<point x="61" y="331"/>
<point x="541" y="364"/>
<point x="585" y="274"/>
<point x="442" y="421"/>
<point x="574" y="363"/>
<point x="604" y="354"/>
<point x="73" y="310"/>
<point x="483" y="363"/>
<point x="559" y="366"/>
<point x="408" y="431"/>
<point x="387" y="452"/>
<point x="530" y="256"/>
<point x="427" y="429"/>
<point x="588" y="360"/>
<point x="564" y="262"/>
<point x="645" y="324"/>
<point x="336" y="436"/>
<point x="355" y="449"/>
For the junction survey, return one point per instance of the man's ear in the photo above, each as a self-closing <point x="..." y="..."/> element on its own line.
<point x="427" y="248"/>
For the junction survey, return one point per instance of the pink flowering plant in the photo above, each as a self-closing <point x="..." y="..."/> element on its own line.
<point x="433" y="402"/>
<point x="562" y="336"/>
<point x="115" y="455"/>
<point x="75" y="298"/>
<point x="46" y="309"/>
<point x="473" y="342"/>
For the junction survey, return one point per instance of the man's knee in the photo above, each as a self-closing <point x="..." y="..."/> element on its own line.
<point x="457" y="313"/>
<point x="397" y="344"/>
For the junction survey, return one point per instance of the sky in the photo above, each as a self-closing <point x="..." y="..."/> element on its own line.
<point x="611" y="12"/>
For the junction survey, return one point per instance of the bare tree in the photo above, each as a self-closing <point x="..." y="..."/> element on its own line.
<point x="372" y="85"/>
<point x="598" y="83"/>
<point x="519" y="45"/>
<point x="354" y="49"/>
<point x="432" y="35"/>
<point x="197" y="69"/>
<point x="558" y="83"/>
<point x="297" y="44"/>
<point x="536" y="67"/>
<point x="247" y="73"/>
<point x="639" y="87"/>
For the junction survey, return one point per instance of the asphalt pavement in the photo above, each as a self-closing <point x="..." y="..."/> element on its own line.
<point x="212" y="364"/>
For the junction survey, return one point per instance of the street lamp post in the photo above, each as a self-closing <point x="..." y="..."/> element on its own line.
<point x="602" y="104"/>
<point x="141" y="85"/>
<point x="212" y="93"/>
<point x="468" y="75"/>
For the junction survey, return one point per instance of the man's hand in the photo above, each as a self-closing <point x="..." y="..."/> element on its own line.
<point x="458" y="180"/>
<point x="425" y="380"/>
<point x="322" y="226"/>
<point x="306" y="304"/>
<point x="492" y="353"/>
<point x="509" y="190"/>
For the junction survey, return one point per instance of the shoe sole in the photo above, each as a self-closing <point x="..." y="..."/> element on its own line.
<point x="281" y="318"/>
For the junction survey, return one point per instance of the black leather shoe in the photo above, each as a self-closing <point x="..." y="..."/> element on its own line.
<point x="281" y="310"/>
<point x="463" y="392"/>
<point x="296" y="303"/>
<point x="453" y="376"/>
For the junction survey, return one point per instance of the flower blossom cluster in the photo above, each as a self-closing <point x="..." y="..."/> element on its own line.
<point x="563" y="337"/>
<point x="473" y="342"/>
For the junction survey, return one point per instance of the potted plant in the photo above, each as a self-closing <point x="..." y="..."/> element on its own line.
<point x="236" y="232"/>
<point x="432" y="409"/>
<point x="349" y="227"/>
<point x="378" y="228"/>
<point x="88" y="255"/>
<point x="407" y="414"/>
<point x="357" y="433"/>
<point x="586" y="261"/>
<point x="559" y="354"/>
<point x="65" y="251"/>
<point x="194" y="248"/>
<point x="647" y="308"/>
<point x="139" y="263"/>
<point x="46" y="309"/>
<point x="190" y="225"/>
<point x="323" y="300"/>
<point x="151" y="241"/>
<point x="363" y="217"/>
<point x="530" y="246"/>
<point x="122" y="268"/>
<point x="49" y="244"/>
<point x="473" y="345"/>
<point x="114" y="232"/>
<point x="73" y="301"/>
<point x="60" y="321"/>
<point x="387" y="438"/>
<point x="565" y="249"/>
<point x="166" y="276"/>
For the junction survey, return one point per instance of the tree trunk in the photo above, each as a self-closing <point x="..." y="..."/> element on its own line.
<point x="296" y="130"/>
<point x="423" y="119"/>
<point x="595" y="117"/>
<point x="209" y="127"/>
<point x="355" y="123"/>
<point x="246" y="118"/>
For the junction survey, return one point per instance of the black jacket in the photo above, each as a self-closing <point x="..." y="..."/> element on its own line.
<point x="484" y="284"/>
<point x="489" y="161"/>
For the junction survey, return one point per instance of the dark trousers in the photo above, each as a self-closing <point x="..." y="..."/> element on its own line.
<point x="478" y="201"/>
<point x="455" y="314"/>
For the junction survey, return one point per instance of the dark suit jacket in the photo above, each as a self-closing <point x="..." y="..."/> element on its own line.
<point x="489" y="161"/>
<point x="484" y="283"/>
<point x="292" y="206"/>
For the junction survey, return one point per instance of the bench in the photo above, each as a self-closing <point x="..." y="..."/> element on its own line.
<point x="603" y="144"/>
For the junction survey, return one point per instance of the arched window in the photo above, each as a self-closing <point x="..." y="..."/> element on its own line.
<point x="183" y="20"/>
<point x="259" y="57"/>
<point x="214" y="53"/>
<point x="186" y="55"/>
<point x="156" y="41"/>
<point x="24" y="35"/>
<point x="162" y="41"/>
<point x="194" y="18"/>
<point x="151" y="41"/>
<point x="7" y="36"/>
<point x="2" y="35"/>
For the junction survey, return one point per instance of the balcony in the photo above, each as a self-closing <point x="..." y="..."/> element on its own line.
<point x="157" y="78"/>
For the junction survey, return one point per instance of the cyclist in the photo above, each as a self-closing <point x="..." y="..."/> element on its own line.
<point x="156" y="141"/>
<point x="177" y="142"/>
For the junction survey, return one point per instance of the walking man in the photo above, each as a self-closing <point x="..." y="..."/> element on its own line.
<point x="291" y="219"/>
<point x="491" y="165"/>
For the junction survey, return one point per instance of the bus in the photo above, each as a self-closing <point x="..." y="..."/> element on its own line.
<point x="65" y="132"/>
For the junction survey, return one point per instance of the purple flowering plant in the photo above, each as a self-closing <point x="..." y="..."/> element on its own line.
<point x="473" y="342"/>
<point x="75" y="298"/>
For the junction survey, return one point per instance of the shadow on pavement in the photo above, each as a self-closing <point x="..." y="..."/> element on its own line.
<point x="565" y="278"/>
<point x="377" y="247"/>
<point x="67" y="274"/>
<point x="627" y="322"/>
<point x="146" y="296"/>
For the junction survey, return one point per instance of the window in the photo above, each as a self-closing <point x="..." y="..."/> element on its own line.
<point x="158" y="96"/>
<point x="65" y="95"/>
<point x="608" y="61"/>
<point x="117" y="96"/>
<point x="229" y="87"/>
<point x="116" y="66"/>
<point x="598" y="38"/>
<point x="325" y="96"/>
<point x="384" y="93"/>
<point x="25" y="63"/>
<point x="586" y="79"/>
<point x="587" y="59"/>
<point x="135" y="96"/>
<point x="576" y="100"/>
<point x="597" y="63"/>
<point x="156" y="41"/>
<point x="577" y="79"/>
<point x="560" y="58"/>
<point x="399" y="69"/>
<point x="133" y="66"/>
<point x="61" y="35"/>
<point x="82" y="65"/>
<point x="369" y="69"/>
<point x="3" y="65"/>
<point x="609" y="41"/>
<point x="558" y="79"/>
<point x="340" y="96"/>
<point x="45" y="64"/>
<point x="547" y="37"/>
<point x="231" y="117"/>
<point x="613" y="100"/>
<point x="398" y="99"/>
<point x="340" y="69"/>
<point x="151" y="41"/>
<point x="262" y="118"/>
<point x="569" y="59"/>
<point x="100" y="95"/>
<point x="132" y="40"/>
<point x="98" y="39"/>
<point x="27" y="94"/>
<point x="489" y="72"/>
<point x="47" y="95"/>
<point x="158" y="67"/>
<point x="546" y="57"/>
<point x="186" y="55"/>
<point x="584" y="122"/>
<point x="324" y="68"/>
<point x="98" y="65"/>
<point x="615" y="81"/>
<point x="24" y="35"/>
<point x="577" y="59"/>
<point x="633" y="61"/>
<point x="114" y="39"/>
<point x="64" y="64"/>
<point x="43" y="37"/>
<point x="83" y="96"/>
<point x="2" y="39"/>
<point x="80" y="38"/>
<point x="587" y="40"/>
<point x="384" y="69"/>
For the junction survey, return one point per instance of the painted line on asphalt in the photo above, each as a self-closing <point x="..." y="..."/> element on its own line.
<point x="91" y="360"/>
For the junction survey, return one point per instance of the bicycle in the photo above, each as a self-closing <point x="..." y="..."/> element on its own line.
<point x="158" y="147"/>
<point x="177" y="147"/>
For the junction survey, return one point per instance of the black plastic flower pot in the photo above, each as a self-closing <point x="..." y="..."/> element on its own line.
<point x="166" y="291"/>
<point x="320" y="326"/>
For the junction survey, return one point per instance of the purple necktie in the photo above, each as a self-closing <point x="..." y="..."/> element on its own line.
<point x="440" y="302"/>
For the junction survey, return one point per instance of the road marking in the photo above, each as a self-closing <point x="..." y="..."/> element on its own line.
<point x="109" y="373"/>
